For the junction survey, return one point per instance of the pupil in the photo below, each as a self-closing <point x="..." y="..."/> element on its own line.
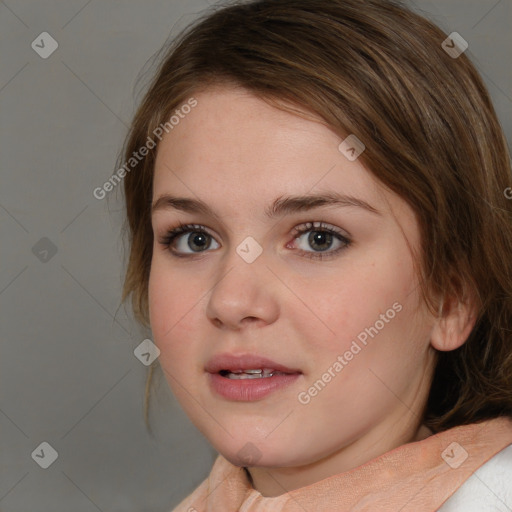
<point x="318" y="237"/>
<point x="200" y="244"/>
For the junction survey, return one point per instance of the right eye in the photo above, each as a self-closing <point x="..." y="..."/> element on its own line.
<point x="197" y="238"/>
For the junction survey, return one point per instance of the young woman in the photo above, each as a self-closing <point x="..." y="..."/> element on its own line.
<point x="321" y="244"/>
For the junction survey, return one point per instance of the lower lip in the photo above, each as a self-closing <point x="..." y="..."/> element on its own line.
<point x="248" y="390"/>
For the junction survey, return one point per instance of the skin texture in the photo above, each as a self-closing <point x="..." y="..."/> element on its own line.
<point x="238" y="154"/>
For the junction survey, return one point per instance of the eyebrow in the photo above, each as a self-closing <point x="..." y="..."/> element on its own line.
<point x="280" y="207"/>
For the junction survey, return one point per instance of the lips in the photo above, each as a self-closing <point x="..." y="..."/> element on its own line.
<point x="238" y="363"/>
<point x="248" y="377"/>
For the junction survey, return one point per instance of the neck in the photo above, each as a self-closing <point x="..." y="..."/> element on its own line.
<point x="400" y="429"/>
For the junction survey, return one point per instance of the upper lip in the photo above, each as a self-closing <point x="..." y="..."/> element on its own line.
<point x="232" y="362"/>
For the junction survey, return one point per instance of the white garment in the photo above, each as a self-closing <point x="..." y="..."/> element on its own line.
<point x="488" y="489"/>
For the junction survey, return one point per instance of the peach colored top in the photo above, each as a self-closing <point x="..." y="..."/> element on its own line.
<point x="415" y="477"/>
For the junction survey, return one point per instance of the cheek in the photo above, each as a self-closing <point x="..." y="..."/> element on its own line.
<point x="173" y="311"/>
<point x="334" y="311"/>
<point x="347" y="317"/>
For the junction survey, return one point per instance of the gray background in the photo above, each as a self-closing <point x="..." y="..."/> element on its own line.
<point x="68" y="373"/>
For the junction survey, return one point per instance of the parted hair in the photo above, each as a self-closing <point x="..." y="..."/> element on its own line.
<point x="376" y="69"/>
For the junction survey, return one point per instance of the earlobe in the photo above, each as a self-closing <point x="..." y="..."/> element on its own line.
<point x="453" y="325"/>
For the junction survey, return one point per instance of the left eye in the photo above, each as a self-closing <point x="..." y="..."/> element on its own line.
<point x="320" y="239"/>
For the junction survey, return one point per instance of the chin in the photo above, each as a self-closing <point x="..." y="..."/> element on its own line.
<point x="245" y="450"/>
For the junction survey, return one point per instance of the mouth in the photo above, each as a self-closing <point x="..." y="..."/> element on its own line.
<point x="248" y="377"/>
<point x="246" y="366"/>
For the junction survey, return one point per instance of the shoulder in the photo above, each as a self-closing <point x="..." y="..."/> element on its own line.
<point x="488" y="489"/>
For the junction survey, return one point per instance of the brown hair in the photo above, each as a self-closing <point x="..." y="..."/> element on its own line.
<point x="377" y="70"/>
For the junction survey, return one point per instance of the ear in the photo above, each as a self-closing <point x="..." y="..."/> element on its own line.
<point x="454" y="324"/>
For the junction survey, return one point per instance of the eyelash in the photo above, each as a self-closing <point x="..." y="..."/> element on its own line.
<point x="171" y="235"/>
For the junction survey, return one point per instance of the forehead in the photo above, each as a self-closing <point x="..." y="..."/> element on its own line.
<point x="228" y="127"/>
<point x="232" y="138"/>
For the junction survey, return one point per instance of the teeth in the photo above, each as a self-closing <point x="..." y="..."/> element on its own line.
<point x="240" y="376"/>
<point x="252" y="374"/>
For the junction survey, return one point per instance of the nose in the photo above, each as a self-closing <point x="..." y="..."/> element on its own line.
<point x="244" y="293"/>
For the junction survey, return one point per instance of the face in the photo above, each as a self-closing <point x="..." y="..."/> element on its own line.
<point x="326" y="290"/>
